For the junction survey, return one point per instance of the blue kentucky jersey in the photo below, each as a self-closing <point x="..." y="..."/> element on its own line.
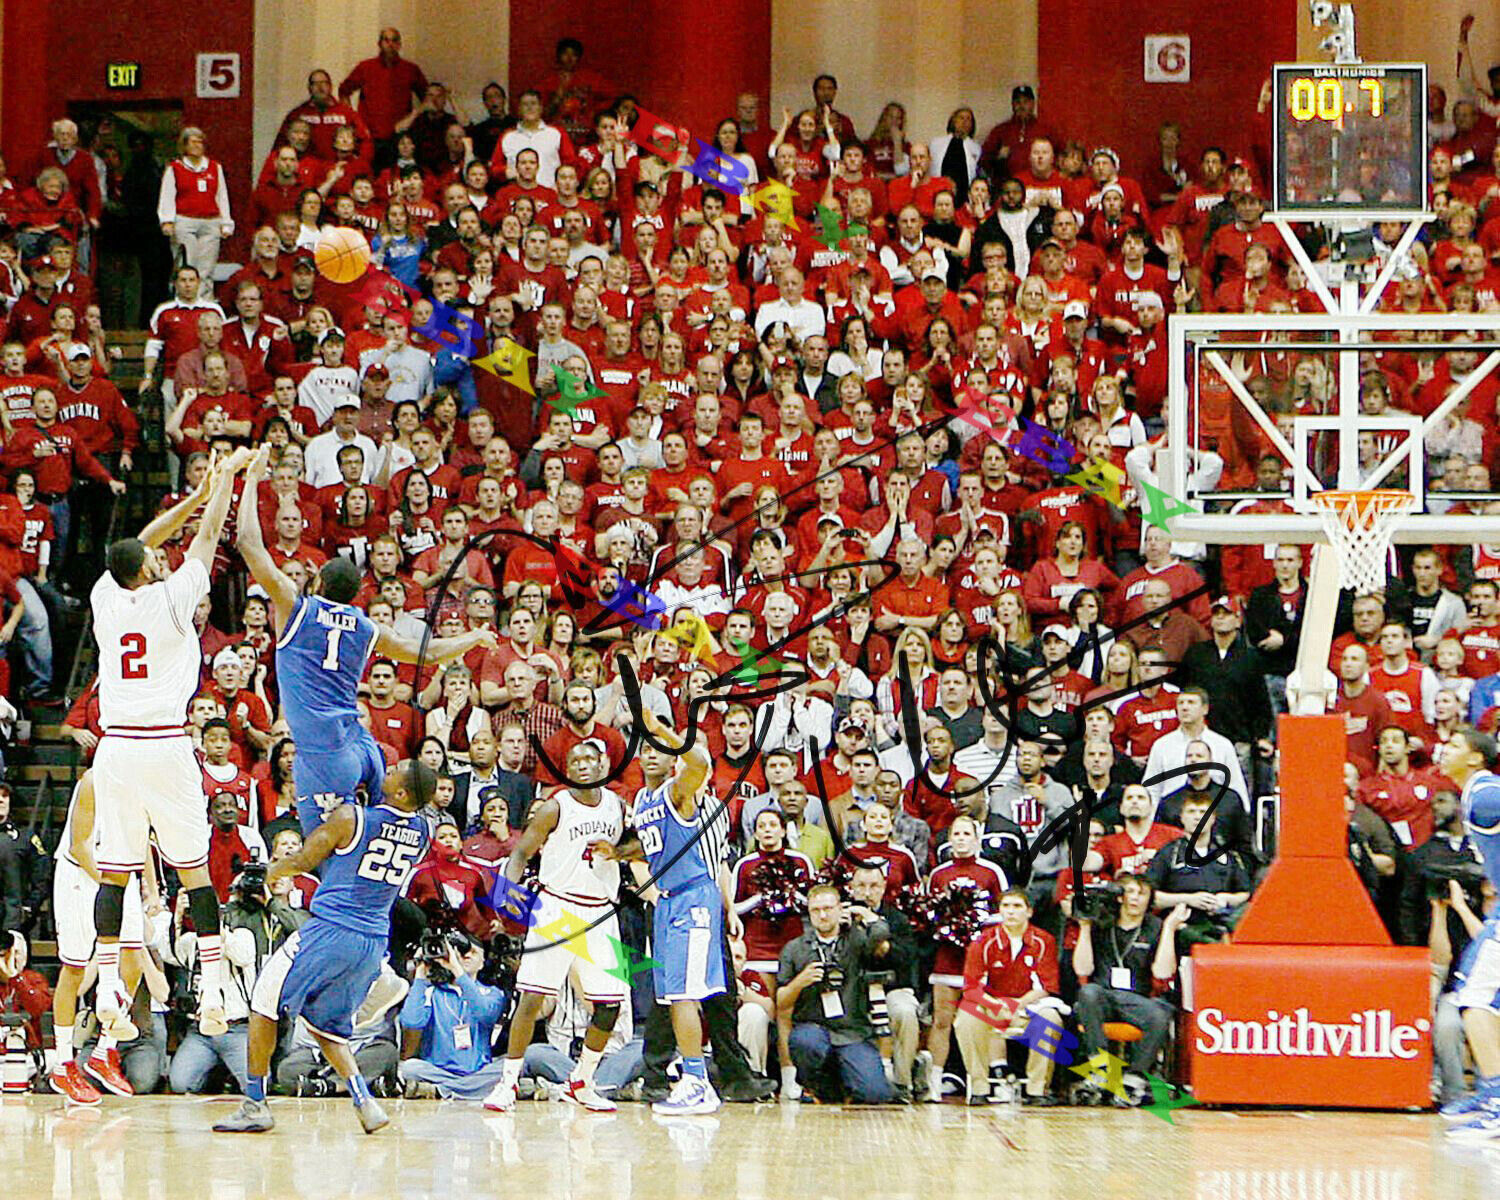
<point x="320" y="659"/>
<point x="671" y="844"/>
<point x="1481" y="809"/>
<point x="361" y="883"/>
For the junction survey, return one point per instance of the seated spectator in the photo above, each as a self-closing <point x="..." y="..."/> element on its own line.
<point x="1010" y="974"/>
<point x="447" y="1024"/>
<point x="1202" y="873"/>
<point x="1124" y="977"/>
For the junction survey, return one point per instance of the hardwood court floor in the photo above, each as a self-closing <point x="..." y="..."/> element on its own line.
<point x="161" y="1148"/>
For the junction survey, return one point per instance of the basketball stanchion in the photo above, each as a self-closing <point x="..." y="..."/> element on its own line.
<point x="1311" y="1004"/>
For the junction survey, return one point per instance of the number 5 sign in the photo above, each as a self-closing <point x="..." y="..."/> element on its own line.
<point x="1169" y="58"/>
<point x="218" y="76"/>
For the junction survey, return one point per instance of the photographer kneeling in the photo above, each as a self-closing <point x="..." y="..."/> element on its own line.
<point x="823" y="997"/>
<point x="254" y="924"/>
<point x="1128" y="964"/>
<point x="448" y="1021"/>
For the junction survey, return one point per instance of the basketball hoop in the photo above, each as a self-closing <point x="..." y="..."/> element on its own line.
<point x="1359" y="527"/>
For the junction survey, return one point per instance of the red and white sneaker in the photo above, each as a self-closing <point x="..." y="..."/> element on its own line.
<point x="113" y="1010"/>
<point x="108" y="1074"/>
<point x="68" y="1081"/>
<point x="502" y="1097"/>
<point x="576" y="1091"/>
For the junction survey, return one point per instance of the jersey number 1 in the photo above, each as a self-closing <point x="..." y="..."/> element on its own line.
<point x="331" y="659"/>
<point x="132" y="656"/>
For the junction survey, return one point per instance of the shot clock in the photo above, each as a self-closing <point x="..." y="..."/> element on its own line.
<point x="1350" y="138"/>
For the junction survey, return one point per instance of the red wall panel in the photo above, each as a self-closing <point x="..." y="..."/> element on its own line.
<point x="1108" y="102"/>
<point x="56" y="52"/>
<point x="686" y="63"/>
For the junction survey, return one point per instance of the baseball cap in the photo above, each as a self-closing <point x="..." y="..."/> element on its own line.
<point x="1150" y="300"/>
<point x="852" y="724"/>
<point x="303" y="260"/>
<point x="783" y="363"/>
<point x="77" y="350"/>
<point x="1108" y="153"/>
<point x="347" y="400"/>
<point x="1056" y="629"/>
<point x="1023" y="89"/>
<point x="1230" y="603"/>
<point x="1111" y="187"/>
<point x="335" y="333"/>
<point x="1051" y="243"/>
<point x="934" y="273"/>
<point x="225" y="655"/>
<point x="377" y="371"/>
<point x="1075" y="308"/>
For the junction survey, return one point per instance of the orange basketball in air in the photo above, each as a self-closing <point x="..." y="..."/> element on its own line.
<point x="343" y="255"/>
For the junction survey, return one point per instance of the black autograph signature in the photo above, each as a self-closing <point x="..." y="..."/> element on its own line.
<point x="1071" y="825"/>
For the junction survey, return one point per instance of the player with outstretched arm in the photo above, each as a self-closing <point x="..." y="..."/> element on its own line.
<point x="324" y="970"/>
<point x="146" y="777"/>
<point x="688" y="924"/>
<point x="322" y="645"/>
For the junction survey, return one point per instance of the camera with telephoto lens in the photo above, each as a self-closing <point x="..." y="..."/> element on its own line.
<point x="1436" y="875"/>
<point x="249" y="886"/>
<point x="434" y="952"/>
<point x="1095" y="899"/>
<point x="833" y="977"/>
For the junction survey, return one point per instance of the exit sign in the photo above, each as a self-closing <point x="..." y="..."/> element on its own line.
<point x="123" y="75"/>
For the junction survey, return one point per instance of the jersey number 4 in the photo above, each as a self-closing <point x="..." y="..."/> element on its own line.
<point x="132" y="656"/>
<point x="387" y="862"/>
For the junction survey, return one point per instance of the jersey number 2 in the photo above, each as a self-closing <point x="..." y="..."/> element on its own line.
<point x="132" y="656"/>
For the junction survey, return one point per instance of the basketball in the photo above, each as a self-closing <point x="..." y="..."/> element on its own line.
<point x="343" y="255"/>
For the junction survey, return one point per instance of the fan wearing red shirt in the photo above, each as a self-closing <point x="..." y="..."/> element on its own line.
<point x="444" y="480"/>
<point x="914" y="600"/>
<point x="1008" y="968"/>
<point x="289" y="544"/>
<point x="1224" y="259"/>
<point x="1131" y="850"/>
<point x="740" y="477"/>
<point x="580" y="725"/>
<point x="392" y="723"/>
<point x="1118" y="298"/>
<point x="1190" y="212"/>
<point x="54" y="452"/>
<point x="447" y="880"/>
<point x="1481" y="641"/>
<point x="387" y="85"/>
<point x="249" y="723"/>
<point x="1364" y="710"/>
<point x="95" y="410"/>
<point x="917" y="188"/>
<point x="1149" y="714"/>
<point x="1408" y="687"/>
<point x="1400" y="794"/>
<point x="223" y="777"/>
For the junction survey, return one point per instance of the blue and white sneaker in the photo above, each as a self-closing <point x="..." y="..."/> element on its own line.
<point x="1483" y="1128"/>
<point x="1465" y="1108"/>
<point x="690" y="1097"/>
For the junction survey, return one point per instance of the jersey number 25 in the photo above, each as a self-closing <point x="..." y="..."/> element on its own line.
<point x="387" y="862"/>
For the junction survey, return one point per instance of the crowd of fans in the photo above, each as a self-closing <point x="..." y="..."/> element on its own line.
<point x="771" y="414"/>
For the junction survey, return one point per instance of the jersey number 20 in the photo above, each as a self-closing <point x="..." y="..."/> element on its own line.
<point x="387" y="862"/>
<point x="651" y="839"/>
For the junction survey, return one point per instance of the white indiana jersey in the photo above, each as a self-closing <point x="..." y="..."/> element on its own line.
<point x="567" y="868"/>
<point x="64" y="851"/>
<point x="149" y="654"/>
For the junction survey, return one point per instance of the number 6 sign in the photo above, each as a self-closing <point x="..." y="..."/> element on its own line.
<point x="218" y="76"/>
<point x="1169" y="59"/>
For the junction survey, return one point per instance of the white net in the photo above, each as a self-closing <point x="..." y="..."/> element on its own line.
<point x="1359" y="527"/>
